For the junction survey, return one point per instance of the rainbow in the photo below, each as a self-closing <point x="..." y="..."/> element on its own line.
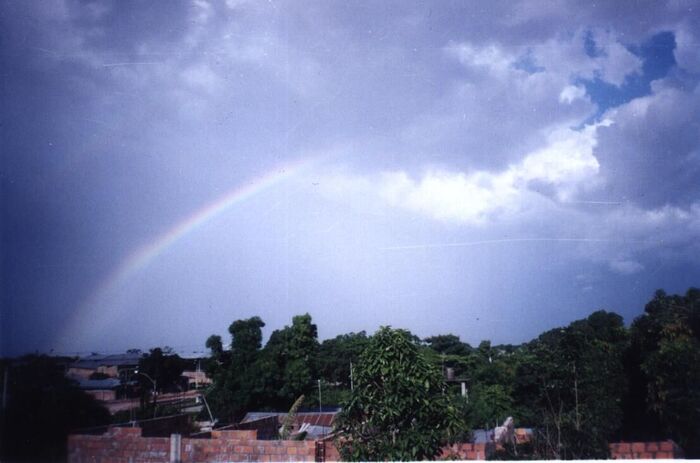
<point x="141" y="257"/>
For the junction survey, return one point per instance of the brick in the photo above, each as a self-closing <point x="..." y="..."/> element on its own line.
<point x="229" y="434"/>
<point x="279" y="450"/>
<point x="666" y="446"/>
<point x="291" y="451"/>
<point x="624" y="447"/>
<point x="125" y="432"/>
<point x="652" y="446"/>
<point x="664" y="455"/>
<point x="249" y="434"/>
<point x="646" y="455"/>
<point x="638" y="447"/>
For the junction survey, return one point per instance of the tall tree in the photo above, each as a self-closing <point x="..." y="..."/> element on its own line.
<point x="290" y="358"/>
<point x="665" y="359"/>
<point x="335" y="356"/>
<point x="235" y="372"/>
<point x="574" y="384"/>
<point x="399" y="409"/>
<point x="448" y="344"/>
<point x="163" y="367"/>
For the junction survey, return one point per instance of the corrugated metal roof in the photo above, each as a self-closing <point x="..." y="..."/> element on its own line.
<point x="314" y="419"/>
<point x="98" y="384"/>
<point x="96" y="360"/>
<point x="318" y="431"/>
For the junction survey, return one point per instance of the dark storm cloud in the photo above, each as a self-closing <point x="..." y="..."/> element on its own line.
<point x="435" y="124"/>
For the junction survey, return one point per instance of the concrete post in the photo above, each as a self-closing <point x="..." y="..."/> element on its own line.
<point x="175" y="446"/>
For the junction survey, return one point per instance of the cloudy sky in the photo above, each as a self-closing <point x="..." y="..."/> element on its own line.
<point x="488" y="169"/>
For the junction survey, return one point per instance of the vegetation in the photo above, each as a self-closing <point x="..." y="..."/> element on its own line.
<point x="288" y="423"/>
<point x="247" y="377"/>
<point x="42" y="408"/>
<point x="572" y="383"/>
<point x="664" y="362"/>
<point x="399" y="409"/>
<point x="578" y="387"/>
<point x="162" y="366"/>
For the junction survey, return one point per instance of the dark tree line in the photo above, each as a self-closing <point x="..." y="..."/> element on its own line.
<point x="579" y="386"/>
<point x="247" y="376"/>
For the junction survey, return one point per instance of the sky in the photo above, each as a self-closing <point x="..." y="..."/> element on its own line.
<point x="490" y="169"/>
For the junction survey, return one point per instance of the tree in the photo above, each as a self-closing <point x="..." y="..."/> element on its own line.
<point x="288" y="363"/>
<point x="574" y="383"/>
<point x="43" y="406"/>
<point x="399" y="409"/>
<point x="234" y="372"/>
<point x="162" y="366"/>
<point x="448" y="344"/>
<point x="246" y="339"/>
<point x="664" y="360"/>
<point x="335" y="356"/>
<point x="489" y="405"/>
<point x="215" y="345"/>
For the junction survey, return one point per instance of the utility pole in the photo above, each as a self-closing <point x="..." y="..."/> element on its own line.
<point x="4" y="387"/>
<point x="319" y="396"/>
<point x="155" y="408"/>
<point x="352" y="386"/>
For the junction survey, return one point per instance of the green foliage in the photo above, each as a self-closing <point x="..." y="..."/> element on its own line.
<point x="574" y="383"/>
<point x="247" y="377"/>
<point x="288" y="367"/>
<point x="665" y="358"/>
<point x="448" y="344"/>
<point x="489" y="405"/>
<point x="288" y="423"/>
<point x="579" y="387"/>
<point x="215" y="345"/>
<point x="42" y="408"/>
<point x="335" y="356"/>
<point x="246" y="339"/>
<point x="164" y="367"/>
<point x="399" y="409"/>
<point x="234" y="372"/>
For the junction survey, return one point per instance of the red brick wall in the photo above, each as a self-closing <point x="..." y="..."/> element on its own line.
<point x="645" y="450"/>
<point x="125" y="445"/>
<point x="462" y="451"/>
<point x="118" y="445"/>
<point x="467" y="451"/>
<point x="330" y="449"/>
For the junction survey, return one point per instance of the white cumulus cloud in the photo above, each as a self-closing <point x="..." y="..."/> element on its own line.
<point x="566" y="164"/>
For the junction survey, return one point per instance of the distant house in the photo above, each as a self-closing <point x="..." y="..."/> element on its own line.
<point x="112" y="366"/>
<point x="101" y="389"/>
<point x="196" y="379"/>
